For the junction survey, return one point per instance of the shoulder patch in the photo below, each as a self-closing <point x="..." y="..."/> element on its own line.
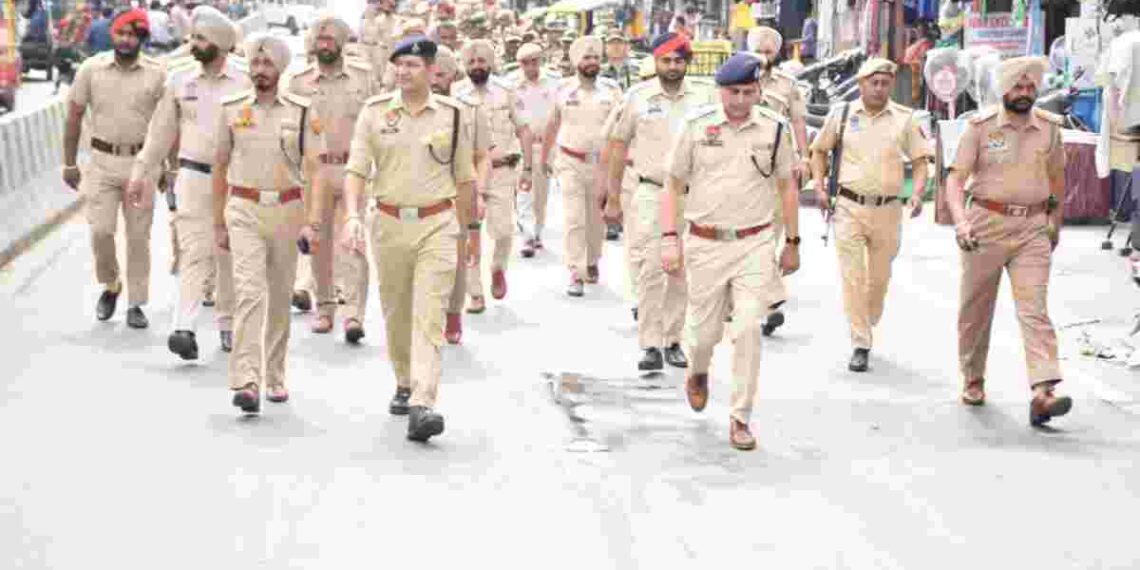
<point x="984" y="115"/>
<point x="1046" y="115"/>
<point x="296" y="99"/>
<point x="381" y="98"/>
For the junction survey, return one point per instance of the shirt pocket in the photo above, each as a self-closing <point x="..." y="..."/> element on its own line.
<point x="289" y="135"/>
<point x="760" y="157"/>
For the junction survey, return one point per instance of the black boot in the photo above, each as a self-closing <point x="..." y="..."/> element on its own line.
<point x="423" y="423"/>
<point x="399" y="404"/>
<point x="675" y="356"/>
<point x="105" y="308"/>
<point x="774" y="321"/>
<point x="651" y="360"/>
<point x="183" y="344"/>
<point x="136" y="319"/>
<point x="859" y="360"/>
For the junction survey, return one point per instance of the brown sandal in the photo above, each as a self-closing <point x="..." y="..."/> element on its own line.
<point x="974" y="392"/>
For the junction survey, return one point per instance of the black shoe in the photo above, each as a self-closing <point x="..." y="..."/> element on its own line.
<point x="859" y="360"/>
<point x="423" y="423"/>
<point x="651" y="360"/>
<point x="136" y="319"/>
<point x="613" y="232"/>
<point x="227" y="340"/>
<point x="183" y="344"/>
<point x="399" y="404"/>
<point x="1125" y="251"/>
<point x="248" y="399"/>
<point x="634" y="311"/>
<point x="302" y="301"/>
<point x="105" y="308"/>
<point x="675" y="356"/>
<point x="208" y="300"/>
<point x="353" y="333"/>
<point x="775" y="321"/>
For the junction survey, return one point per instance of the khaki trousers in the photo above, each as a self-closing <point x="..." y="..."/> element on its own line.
<point x="532" y="205"/>
<point x="866" y="240"/>
<point x="745" y="273"/>
<point x="416" y="263"/>
<point x="633" y="247"/>
<point x="499" y="225"/>
<point x="201" y="264"/>
<point x="102" y="184"/>
<point x="661" y="298"/>
<point x="335" y="264"/>
<point x="263" y="241"/>
<point x="1021" y="247"/>
<point x="585" y="231"/>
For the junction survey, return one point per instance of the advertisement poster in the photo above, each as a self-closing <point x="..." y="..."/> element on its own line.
<point x="997" y="30"/>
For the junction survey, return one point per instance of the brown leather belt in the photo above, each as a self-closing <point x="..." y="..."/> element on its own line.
<point x="413" y="214"/>
<point x="725" y="234"/>
<point x="867" y="200"/>
<point x="334" y="158"/>
<point x="1012" y="209"/>
<point x="644" y="180"/>
<point x="195" y="165"/>
<point x="115" y="149"/>
<point x="588" y="158"/>
<point x="267" y="197"/>
<point x="509" y="160"/>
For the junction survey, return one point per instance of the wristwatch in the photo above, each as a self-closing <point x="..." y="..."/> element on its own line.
<point x="793" y="240"/>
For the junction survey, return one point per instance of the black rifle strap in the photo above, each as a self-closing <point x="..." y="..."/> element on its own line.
<point x="776" y="147"/>
<point x="454" y="137"/>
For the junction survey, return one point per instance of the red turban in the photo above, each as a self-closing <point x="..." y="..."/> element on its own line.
<point x="135" y="17"/>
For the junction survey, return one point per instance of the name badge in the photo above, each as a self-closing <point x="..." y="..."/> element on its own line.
<point x="996" y="141"/>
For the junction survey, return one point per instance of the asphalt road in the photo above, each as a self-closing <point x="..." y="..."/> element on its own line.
<point x="557" y="454"/>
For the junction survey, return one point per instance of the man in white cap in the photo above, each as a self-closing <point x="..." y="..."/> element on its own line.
<point x="1006" y="192"/>
<point x="535" y="87"/>
<point x="268" y="144"/>
<point x="582" y="105"/>
<point x="876" y="134"/>
<point x="782" y="96"/>
<point x="187" y="117"/>
<point x="121" y="88"/>
<point x="511" y="152"/>
<point x="337" y="89"/>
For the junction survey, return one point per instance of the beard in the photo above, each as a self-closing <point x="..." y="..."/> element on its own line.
<point x="126" y="51"/>
<point x="441" y="89"/>
<point x="263" y="82"/>
<point x="328" y="57"/>
<point x="478" y="76"/>
<point x="205" y="55"/>
<point x="1021" y="105"/>
<point x="589" y="71"/>
<point x="672" y="76"/>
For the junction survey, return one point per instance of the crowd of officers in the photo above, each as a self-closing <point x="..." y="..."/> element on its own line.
<point x="428" y="153"/>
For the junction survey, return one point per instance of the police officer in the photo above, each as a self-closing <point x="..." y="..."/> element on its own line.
<point x="1011" y="162"/>
<point x="650" y="115"/>
<point x="422" y="148"/>
<point x="737" y="160"/>
<point x="868" y="215"/>
<point x="447" y="33"/>
<point x="618" y="65"/>
<point x="510" y="149"/>
<point x="187" y="116"/>
<point x="536" y="88"/>
<point x="337" y="89"/>
<point x="561" y="59"/>
<point x="583" y="103"/>
<point x="377" y="32"/>
<point x="121" y="87"/>
<point x="268" y="142"/>
<point x="782" y="95"/>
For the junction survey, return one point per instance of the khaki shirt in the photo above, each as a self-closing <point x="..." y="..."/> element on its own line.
<point x="498" y="101"/>
<point x="263" y="142"/>
<point x="873" y="147"/>
<point x="477" y="123"/>
<point x="122" y="98"/>
<point x="1009" y="164"/>
<point x="582" y="110"/>
<point x="731" y="171"/>
<point x="188" y="114"/>
<point x="378" y="34"/>
<point x="535" y="99"/>
<point x="412" y="153"/>
<point x="783" y="97"/>
<point x="337" y="98"/>
<point x="650" y="119"/>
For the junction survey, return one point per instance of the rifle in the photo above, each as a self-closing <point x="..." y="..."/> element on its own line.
<point x="833" y="173"/>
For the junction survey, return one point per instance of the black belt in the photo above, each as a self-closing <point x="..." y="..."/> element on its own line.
<point x="510" y="161"/>
<point x="115" y="149"/>
<point x="644" y="180"/>
<point x="195" y="165"/>
<point x="866" y="200"/>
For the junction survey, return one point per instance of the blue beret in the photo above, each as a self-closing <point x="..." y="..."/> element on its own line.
<point x="670" y="42"/>
<point x="414" y="45"/>
<point x="741" y="68"/>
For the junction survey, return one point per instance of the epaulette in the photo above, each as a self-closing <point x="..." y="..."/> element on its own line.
<point x="701" y="112"/>
<point x="149" y="61"/>
<point x="358" y="64"/>
<point x="237" y="97"/>
<point x="781" y="74"/>
<point x="637" y="87"/>
<point x="984" y="115"/>
<point x="1046" y="115"/>
<point x="449" y="101"/>
<point x="769" y="113"/>
<point x="466" y="99"/>
<point x="381" y="98"/>
<point x="296" y="99"/>
<point x="309" y="68"/>
<point x="775" y="97"/>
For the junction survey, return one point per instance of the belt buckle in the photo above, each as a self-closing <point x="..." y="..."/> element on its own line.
<point x="267" y="198"/>
<point x="409" y="214"/>
<point x="725" y="234"/>
<point x="1017" y="211"/>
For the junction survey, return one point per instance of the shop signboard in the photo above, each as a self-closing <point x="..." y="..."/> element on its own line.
<point x="997" y="30"/>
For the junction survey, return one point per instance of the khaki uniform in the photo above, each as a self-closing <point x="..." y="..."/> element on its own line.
<point x="188" y="115"/>
<point x="337" y="98"/>
<point x="732" y="174"/>
<point x="581" y="110"/>
<point x="498" y="102"/>
<point x="416" y="166"/>
<point x="378" y="36"/>
<point x="1012" y="166"/>
<point x="649" y="120"/>
<point x="535" y="101"/>
<point x="632" y="253"/>
<point x="263" y="143"/>
<point x="121" y="101"/>
<point x="480" y="128"/>
<point x="867" y="236"/>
